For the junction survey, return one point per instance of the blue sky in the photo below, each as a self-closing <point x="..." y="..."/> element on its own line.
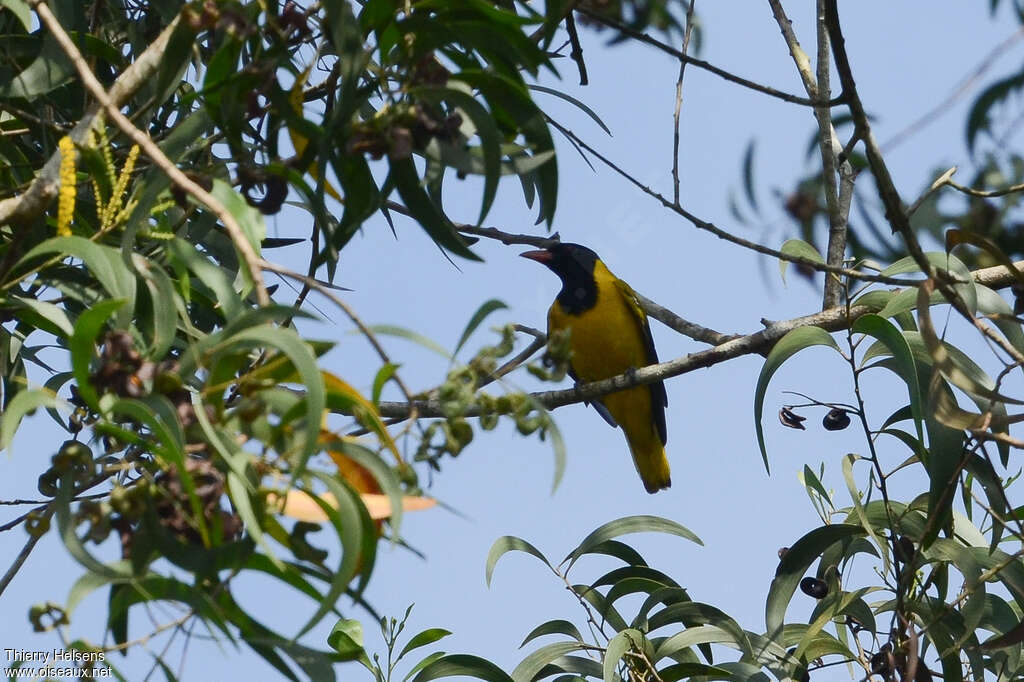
<point x="906" y="60"/>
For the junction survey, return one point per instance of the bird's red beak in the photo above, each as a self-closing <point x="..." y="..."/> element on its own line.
<point x="540" y="255"/>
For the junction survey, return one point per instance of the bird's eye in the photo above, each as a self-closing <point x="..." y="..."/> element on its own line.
<point x="580" y="293"/>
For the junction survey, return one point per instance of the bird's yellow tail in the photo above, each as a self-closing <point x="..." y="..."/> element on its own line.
<point x="651" y="463"/>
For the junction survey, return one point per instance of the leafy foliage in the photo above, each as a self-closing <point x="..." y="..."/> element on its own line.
<point x="202" y="431"/>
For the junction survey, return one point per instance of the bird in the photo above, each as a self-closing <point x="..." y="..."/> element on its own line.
<point x="609" y="336"/>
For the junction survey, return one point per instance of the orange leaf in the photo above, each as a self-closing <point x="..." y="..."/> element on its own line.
<point x="300" y="506"/>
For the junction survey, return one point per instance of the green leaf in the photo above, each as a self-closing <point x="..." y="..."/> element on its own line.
<point x="356" y="533"/>
<point x="876" y="299"/>
<point x="858" y="507"/>
<point x="553" y="627"/>
<point x="347" y="639"/>
<point x="104" y="263"/>
<point x="83" y="343"/>
<point x="301" y="356"/>
<point x="748" y="177"/>
<point x="427" y="660"/>
<point x="424" y="638"/>
<point x="421" y="207"/>
<point x="20" y="10"/>
<point x="625" y="525"/>
<point x="165" y="305"/>
<point x="691" y="613"/>
<point x="893" y="339"/>
<point x="90" y="582"/>
<point x="938" y="259"/>
<point x="383" y="375"/>
<point x="479" y="316"/>
<point x="462" y="664"/>
<point x="618" y="646"/>
<point x="490" y="137"/>
<point x="686" y="671"/>
<point x="48" y="317"/>
<point x="575" y="102"/>
<point x="409" y="335"/>
<point x="227" y="299"/>
<point x="799" y="249"/>
<point x="509" y="98"/>
<point x="991" y="303"/>
<point x="536" y="661"/>
<point x="249" y="218"/>
<point x="23" y="403"/>
<point x="706" y="634"/>
<point x="794" y="565"/>
<point x="978" y="117"/>
<point x="509" y="543"/>
<point x="958" y="373"/>
<point x="793" y="342"/>
<point x="114" y="572"/>
<point x="48" y="71"/>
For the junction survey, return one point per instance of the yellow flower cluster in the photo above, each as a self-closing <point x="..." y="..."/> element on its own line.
<point x="115" y="211"/>
<point x="66" y="198"/>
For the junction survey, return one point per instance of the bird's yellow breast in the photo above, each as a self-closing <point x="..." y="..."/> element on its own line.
<point x="606" y="339"/>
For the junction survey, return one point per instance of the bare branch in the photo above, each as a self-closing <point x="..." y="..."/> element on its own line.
<point x="985" y="193"/>
<point x="722" y="234"/>
<point x="833" y="319"/>
<point x="833" y="155"/>
<point x="701" y="64"/>
<point x="758" y="342"/>
<point x="679" y="102"/>
<point x="684" y="327"/>
<point x="577" y="49"/>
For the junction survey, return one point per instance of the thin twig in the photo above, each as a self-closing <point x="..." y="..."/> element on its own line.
<point x="325" y="291"/>
<point x="943" y="179"/>
<point x="727" y="236"/>
<point x="985" y="193"/>
<point x="506" y="238"/>
<point x="577" y="49"/>
<point x="47" y="512"/>
<point x="701" y="64"/>
<point x="679" y="102"/>
<point x="539" y="341"/>
<point x="149" y="147"/>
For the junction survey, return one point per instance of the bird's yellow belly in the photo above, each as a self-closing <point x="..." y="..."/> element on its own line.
<point x="603" y="340"/>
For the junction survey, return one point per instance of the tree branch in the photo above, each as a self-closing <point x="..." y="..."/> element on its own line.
<point x="722" y="234"/>
<point x="833" y="319"/>
<point x="679" y="102"/>
<point x="833" y="155"/>
<point x="577" y="49"/>
<point x="701" y="64"/>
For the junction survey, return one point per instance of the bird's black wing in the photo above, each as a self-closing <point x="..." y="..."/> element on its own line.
<point x="659" y="398"/>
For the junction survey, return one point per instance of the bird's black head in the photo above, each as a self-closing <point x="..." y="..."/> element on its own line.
<point x="574" y="265"/>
